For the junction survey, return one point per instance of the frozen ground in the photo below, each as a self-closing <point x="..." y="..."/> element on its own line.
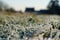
<point x="29" y="27"/>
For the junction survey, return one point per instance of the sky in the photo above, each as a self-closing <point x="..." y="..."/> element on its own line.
<point x="22" y="4"/>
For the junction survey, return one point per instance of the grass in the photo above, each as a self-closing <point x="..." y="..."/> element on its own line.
<point x="14" y="23"/>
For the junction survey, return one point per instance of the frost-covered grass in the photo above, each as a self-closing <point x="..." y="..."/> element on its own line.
<point x="29" y="27"/>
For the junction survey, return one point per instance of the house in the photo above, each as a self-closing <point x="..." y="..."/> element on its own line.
<point x="30" y="10"/>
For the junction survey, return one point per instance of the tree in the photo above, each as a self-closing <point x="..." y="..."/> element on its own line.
<point x="12" y="10"/>
<point x="54" y="7"/>
<point x="3" y="6"/>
